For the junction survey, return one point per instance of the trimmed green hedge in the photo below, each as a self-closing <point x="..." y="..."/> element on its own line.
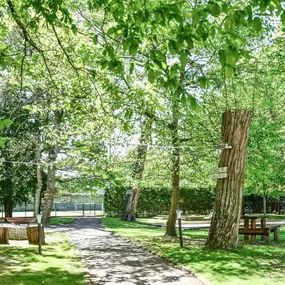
<point x="156" y="201"/>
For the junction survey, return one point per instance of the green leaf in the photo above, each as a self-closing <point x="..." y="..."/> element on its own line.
<point x="194" y="104"/>
<point x="183" y="59"/>
<point x="95" y="39"/>
<point x="215" y="9"/>
<point x="2" y="142"/>
<point x="51" y="17"/>
<point x="151" y="76"/>
<point x="222" y="57"/>
<point x="5" y="123"/>
<point x="283" y="18"/>
<point x="110" y="51"/>
<point x="189" y="42"/>
<point x="173" y="47"/>
<point x="132" y="67"/>
<point x="257" y="24"/>
<point x="126" y="44"/>
<point x="263" y="5"/>
<point x="133" y="48"/>
<point x="202" y="81"/>
<point x="229" y="71"/>
<point x="183" y="99"/>
<point x="74" y="28"/>
<point x="232" y="57"/>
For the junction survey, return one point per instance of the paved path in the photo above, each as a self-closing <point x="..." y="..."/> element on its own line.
<point x="111" y="260"/>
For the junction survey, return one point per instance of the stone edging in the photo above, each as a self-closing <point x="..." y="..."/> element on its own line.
<point x="198" y="276"/>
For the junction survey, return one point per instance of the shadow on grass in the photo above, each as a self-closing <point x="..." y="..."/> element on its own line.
<point x="25" y="266"/>
<point x="49" y="276"/>
<point x="254" y="263"/>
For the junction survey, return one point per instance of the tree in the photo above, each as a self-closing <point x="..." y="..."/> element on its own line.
<point x="17" y="181"/>
<point x="227" y="210"/>
<point x="138" y="170"/>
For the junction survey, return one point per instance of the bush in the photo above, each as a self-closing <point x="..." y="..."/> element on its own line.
<point x="156" y="201"/>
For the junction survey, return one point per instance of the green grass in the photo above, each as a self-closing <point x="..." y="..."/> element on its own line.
<point x="257" y="264"/>
<point x="276" y="217"/>
<point x="53" y="221"/>
<point x="59" y="264"/>
<point x="57" y="221"/>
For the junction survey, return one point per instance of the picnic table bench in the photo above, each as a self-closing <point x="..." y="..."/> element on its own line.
<point x="20" y="220"/>
<point x="264" y="230"/>
<point x="28" y="226"/>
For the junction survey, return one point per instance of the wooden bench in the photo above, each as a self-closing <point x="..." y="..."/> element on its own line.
<point x="264" y="231"/>
<point x="20" y="220"/>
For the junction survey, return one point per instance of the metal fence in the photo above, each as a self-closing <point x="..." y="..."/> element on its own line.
<point x="61" y="209"/>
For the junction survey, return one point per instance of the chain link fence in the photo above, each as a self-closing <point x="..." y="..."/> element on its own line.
<point x="61" y="209"/>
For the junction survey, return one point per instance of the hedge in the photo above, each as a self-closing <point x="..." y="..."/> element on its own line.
<point x="156" y="201"/>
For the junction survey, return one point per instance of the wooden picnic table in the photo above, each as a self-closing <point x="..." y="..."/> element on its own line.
<point x="251" y="219"/>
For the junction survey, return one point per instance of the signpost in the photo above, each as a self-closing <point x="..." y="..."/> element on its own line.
<point x="220" y="173"/>
<point x="179" y="213"/>
<point x="39" y="220"/>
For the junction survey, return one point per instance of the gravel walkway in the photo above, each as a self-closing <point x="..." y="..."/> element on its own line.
<point x="112" y="260"/>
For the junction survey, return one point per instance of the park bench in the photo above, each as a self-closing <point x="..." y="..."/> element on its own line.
<point x="264" y="231"/>
<point x="31" y="231"/>
<point x="20" y="220"/>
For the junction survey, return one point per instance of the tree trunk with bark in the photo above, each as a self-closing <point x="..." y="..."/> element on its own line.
<point x="171" y="222"/>
<point x="39" y="184"/>
<point x="32" y="234"/>
<point x="131" y="205"/>
<point x="224" y="227"/>
<point x="4" y="236"/>
<point x="50" y="191"/>
<point x="8" y="206"/>
<point x="264" y="203"/>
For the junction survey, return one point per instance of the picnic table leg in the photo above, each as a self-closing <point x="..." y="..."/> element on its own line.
<point x="253" y="227"/>
<point x="276" y="233"/>
<point x="263" y="225"/>
<point x="246" y="227"/>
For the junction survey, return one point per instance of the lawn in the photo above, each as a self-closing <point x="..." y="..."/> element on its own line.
<point x="202" y="220"/>
<point x="58" y="221"/>
<point x="59" y="263"/>
<point x="257" y="264"/>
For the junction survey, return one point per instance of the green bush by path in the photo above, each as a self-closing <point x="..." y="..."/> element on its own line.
<point x="22" y="265"/>
<point x="156" y="201"/>
<point x="258" y="264"/>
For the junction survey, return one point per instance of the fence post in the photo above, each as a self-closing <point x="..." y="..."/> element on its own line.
<point x="54" y="209"/>
<point x="83" y="213"/>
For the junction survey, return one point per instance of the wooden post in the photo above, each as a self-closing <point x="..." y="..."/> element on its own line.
<point x="246" y="227"/>
<point x="276" y="233"/>
<point x="263" y="225"/>
<point x="32" y="234"/>
<point x="267" y="237"/>
<point x="253" y="227"/>
<point x="4" y="236"/>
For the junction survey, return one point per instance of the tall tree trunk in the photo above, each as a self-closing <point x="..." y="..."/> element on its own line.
<point x="131" y="205"/>
<point x="50" y="191"/>
<point x="224" y="228"/>
<point x="171" y="222"/>
<point x="39" y="183"/>
<point x="8" y="206"/>
<point x="264" y="203"/>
